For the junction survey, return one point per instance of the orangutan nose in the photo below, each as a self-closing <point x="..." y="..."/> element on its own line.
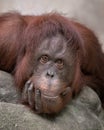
<point x="50" y="73"/>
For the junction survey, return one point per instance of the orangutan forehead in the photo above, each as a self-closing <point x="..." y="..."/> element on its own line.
<point x="55" y="44"/>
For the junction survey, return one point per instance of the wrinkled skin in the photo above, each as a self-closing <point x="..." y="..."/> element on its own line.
<point x="49" y="89"/>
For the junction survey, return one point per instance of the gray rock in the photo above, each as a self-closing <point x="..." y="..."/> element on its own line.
<point x="8" y="92"/>
<point x="83" y="113"/>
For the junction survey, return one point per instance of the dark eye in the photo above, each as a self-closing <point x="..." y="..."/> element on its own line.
<point x="59" y="63"/>
<point x="44" y="59"/>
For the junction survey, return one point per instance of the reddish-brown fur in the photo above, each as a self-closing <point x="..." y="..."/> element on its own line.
<point x="20" y="35"/>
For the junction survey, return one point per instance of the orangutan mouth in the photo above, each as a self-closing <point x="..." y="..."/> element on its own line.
<point x="48" y="100"/>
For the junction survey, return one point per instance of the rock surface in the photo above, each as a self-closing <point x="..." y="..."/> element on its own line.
<point x="83" y="113"/>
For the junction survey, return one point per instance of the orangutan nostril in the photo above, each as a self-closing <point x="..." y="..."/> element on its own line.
<point x="50" y="73"/>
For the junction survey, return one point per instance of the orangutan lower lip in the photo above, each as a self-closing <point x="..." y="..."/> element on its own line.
<point x="49" y="97"/>
<point x="63" y="93"/>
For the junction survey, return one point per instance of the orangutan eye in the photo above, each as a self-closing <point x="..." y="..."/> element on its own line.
<point x="44" y="59"/>
<point x="60" y="63"/>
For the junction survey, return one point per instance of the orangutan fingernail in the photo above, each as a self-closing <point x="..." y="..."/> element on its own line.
<point x="66" y="91"/>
